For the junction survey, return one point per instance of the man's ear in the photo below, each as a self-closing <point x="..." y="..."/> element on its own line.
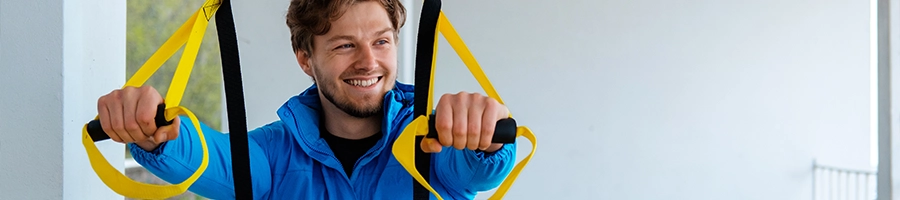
<point x="303" y="60"/>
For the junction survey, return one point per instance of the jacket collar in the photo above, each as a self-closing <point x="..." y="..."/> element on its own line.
<point x="300" y="115"/>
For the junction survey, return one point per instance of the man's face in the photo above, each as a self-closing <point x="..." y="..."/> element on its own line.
<point x="355" y="63"/>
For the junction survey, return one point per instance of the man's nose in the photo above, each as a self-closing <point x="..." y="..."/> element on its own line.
<point x="366" y="59"/>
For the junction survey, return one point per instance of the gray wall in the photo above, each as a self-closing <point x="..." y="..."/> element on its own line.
<point x="50" y="55"/>
<point x="686" y="99"/>
<point x="32" y="96"/>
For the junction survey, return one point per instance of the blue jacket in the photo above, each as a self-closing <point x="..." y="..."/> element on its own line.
<point x="289" y="159"/>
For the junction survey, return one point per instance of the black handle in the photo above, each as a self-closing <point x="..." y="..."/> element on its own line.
<point x="95" y="130"/>
<point x="504" y="132"/>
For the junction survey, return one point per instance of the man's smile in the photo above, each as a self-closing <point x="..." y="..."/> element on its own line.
<point x="363" y="82"/>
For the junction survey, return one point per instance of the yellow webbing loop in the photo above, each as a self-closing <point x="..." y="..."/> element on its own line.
<point x="404" y="149"/>
<point x="190" y="34"/>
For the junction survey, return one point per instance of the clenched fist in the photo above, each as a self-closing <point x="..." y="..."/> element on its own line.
<point x="466" y="121"/>
<point x="127" y="115"/>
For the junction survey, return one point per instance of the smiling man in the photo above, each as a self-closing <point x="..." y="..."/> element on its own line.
<point x="332" y="140"/>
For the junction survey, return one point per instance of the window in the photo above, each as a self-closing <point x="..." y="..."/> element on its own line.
<point x="149" y="25"/>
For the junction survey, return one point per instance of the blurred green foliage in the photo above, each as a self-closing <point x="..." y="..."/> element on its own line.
<point x="150" y="23"/>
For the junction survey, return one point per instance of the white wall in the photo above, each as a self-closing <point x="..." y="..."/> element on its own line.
<point x="270" y="71"/>
<point x="48" y="51"/>
<point x="690" y="99"/>
<point x="647" y="99"/>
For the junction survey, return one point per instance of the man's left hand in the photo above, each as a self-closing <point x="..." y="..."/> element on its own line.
<point x="466" y="121"/>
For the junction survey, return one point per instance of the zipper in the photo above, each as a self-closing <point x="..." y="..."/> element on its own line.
<point x="386" y="135"/>
<point x="346" y="179"/>
<point x="367" y="157"/>
<point x="317" y="150"/>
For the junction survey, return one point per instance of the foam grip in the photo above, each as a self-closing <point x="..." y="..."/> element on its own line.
<point x="504" y="131"/>
<point x="95" y="130"/>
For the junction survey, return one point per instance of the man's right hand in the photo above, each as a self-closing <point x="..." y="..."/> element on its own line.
<point x="127" y="115"/>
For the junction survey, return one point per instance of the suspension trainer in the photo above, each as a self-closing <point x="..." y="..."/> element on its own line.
<point x="190" y="36"/>
<point x="406" y="149"/>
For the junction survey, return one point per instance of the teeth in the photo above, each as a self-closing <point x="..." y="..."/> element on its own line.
<point x="362" y="83"/>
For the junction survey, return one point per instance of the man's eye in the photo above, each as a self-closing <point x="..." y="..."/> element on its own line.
<point x="344" y="46"/>
<point x="382" y="42"/>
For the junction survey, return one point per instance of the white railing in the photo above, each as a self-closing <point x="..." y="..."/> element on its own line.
<point x="836" y="183"/>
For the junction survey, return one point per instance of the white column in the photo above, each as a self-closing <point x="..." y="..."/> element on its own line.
<point x="50" y="53"/>
<point x="93" y="46"/>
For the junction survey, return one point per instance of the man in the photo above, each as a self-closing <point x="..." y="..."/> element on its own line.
<point x="333" y="141"/>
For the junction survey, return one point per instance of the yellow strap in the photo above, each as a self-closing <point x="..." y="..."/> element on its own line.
<point x="127" y="187"/>
<point x="191" y="32"/>
<point x="434" y="54"/>
<point x="182" y="74"/>
<point x="404" y="147"/>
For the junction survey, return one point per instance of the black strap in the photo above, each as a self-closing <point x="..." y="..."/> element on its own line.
<point x="234" y="99"/>
<point x="431" y="9"/>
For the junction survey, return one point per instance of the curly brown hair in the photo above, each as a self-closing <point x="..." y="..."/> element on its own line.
<point x="307" y="18"/>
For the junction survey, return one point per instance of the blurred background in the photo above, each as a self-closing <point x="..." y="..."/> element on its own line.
<point x="639" y="99"/>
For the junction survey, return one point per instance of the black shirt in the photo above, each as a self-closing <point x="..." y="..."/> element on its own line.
<point x="349" y="151"/>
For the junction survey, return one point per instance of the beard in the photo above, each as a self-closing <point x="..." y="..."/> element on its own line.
<point x="368" y="107"/>
<point x="355" y="110"/>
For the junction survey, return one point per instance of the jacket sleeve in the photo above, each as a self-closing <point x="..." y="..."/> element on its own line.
<point x="176" y="160"/>
<point x="473" y="171"/>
